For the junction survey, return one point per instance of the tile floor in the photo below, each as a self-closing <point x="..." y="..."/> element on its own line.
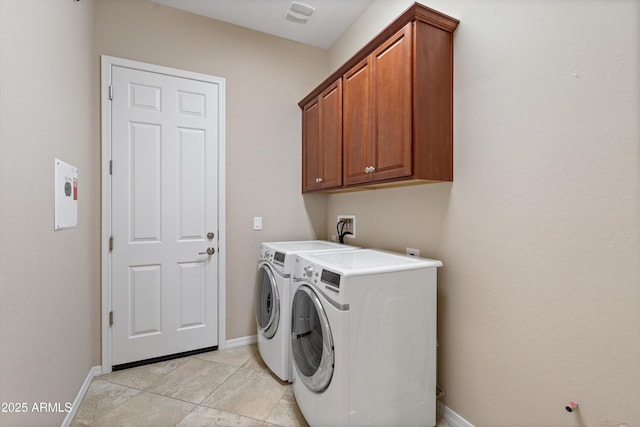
<point x="230" y="387"/>
<point x="221" y="388"/>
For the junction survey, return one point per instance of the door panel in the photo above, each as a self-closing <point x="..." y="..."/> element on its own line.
<point x="192" y="177"/>
<point x="164" y="202"/>
<point x="145" y="288"/>
<point x="145" y="186"/>
<point x="192" y="295"/>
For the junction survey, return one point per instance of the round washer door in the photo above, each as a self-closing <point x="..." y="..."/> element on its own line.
<point x="311" y="340"/>
<point x="267" y="302"/>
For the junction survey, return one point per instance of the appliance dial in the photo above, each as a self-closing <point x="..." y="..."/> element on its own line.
<point x="308" y="270"/>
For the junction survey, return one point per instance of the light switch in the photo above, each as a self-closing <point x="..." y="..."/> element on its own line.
<point x="257" y="223"/>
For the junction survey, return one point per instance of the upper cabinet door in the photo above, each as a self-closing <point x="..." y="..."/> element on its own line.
<point x="358" y="153"/>
<point x="322" y="140"/>
<point x="392" y="111"/>
<point x="310" y="145"/>
<point x="378" y="113"/>
<point x="331" y="136"/>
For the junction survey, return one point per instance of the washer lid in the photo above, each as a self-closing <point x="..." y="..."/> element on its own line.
<point x="305" y="246"/>
<point x="286" y="251"/>
<point x="368" y="261"/>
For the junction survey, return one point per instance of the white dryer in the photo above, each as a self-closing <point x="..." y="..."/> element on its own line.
<point x="363" y="338"/>
<point x="272" y="299"/>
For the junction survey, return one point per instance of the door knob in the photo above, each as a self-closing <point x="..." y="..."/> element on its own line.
<point x="209" y="251"/>
<point x="210" y="235"/>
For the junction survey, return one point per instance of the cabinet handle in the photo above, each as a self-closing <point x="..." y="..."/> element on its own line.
<point x="369" y="169"/>
<point x="318" y="180"/>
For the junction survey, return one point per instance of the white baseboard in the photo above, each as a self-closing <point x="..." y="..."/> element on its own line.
<point x="93" y="372"/>
<point x="448" y="415"/>
<point x="241" y="342"/>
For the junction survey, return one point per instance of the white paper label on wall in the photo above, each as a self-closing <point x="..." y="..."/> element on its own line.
<point x="66" y="196"/>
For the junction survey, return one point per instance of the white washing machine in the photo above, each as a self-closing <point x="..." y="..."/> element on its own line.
<point x="273" y="287"/>
<point x="363" y="336"/>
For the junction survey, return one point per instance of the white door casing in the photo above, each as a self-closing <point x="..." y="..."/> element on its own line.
<point x="164" y="132"/>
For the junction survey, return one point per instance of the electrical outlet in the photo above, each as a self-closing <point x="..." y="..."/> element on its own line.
<point x="349" y="225"/>
<point x="413" y="252"/>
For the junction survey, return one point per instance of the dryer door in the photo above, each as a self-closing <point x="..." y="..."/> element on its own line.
<point x="267" y="302"/>
<point x="311" y="340"/>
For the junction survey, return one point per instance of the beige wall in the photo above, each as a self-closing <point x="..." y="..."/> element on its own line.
<point x="265" y="78"/>
<point x="49" y="281"/>
<point x="540" y="231"/>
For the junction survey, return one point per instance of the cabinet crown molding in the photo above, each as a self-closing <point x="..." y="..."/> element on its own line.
<point x="415" y="12"/>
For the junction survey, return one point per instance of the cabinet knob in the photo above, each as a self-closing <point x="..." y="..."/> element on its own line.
<point x="369" y="169"/>
<point x="318" y="180"/>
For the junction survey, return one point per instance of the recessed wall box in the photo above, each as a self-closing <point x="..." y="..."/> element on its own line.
<point x="66" y="195"/>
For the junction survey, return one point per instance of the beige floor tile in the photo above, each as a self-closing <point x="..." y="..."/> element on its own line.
<point x="234" y="356"/>
<point x="248" y="392"/>
<point x="202" y="417"/>
<point x="255" y="360"/>
<point x="142" y="377"/>
<point x="101" y="398"/>
<point x="146" y="410"/>
<point x="286" y="413"/>
<point x="193" y="380"/>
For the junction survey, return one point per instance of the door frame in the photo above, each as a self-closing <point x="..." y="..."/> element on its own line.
<point x="107" y="62"/>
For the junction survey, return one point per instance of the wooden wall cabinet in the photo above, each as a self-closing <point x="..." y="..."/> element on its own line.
<point x="377" y="113"/>
<point x="396" y="106"/>
<point x="322" y="140"/>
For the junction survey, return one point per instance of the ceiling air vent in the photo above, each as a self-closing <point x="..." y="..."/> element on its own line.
<point x="299" y="13"/>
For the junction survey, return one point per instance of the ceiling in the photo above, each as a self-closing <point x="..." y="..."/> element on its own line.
<point x="329" y="21"/>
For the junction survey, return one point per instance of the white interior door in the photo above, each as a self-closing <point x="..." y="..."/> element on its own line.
<point x="164" y="214"/>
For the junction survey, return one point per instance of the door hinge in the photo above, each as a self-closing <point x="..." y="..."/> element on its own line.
<point x="110" y="92"/>
<point x="111" y="318"/>
<point x="110" y="167"/>
<point x="110" y="243"/>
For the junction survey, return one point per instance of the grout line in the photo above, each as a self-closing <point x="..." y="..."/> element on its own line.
<point x="252" y="358"/>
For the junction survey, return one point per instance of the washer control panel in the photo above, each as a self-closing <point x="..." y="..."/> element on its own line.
<point x="317" y="275"/>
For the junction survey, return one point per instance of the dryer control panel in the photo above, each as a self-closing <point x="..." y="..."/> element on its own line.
<point x="330" y="278"/>
<point x="273" y="257"/>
